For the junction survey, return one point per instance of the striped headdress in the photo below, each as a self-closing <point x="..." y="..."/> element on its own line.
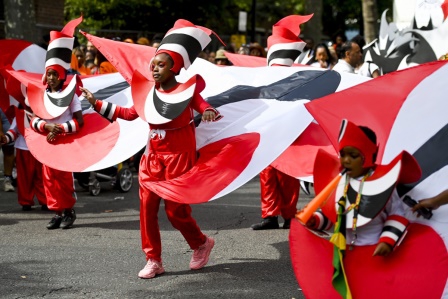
<point x="284" y="45"/>
<point x="184" y="42"/>
<point x="59" y="52"/>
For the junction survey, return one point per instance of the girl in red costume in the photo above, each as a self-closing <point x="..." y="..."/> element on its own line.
<point x="171" y="149"/>
<point x="58" y="112"/>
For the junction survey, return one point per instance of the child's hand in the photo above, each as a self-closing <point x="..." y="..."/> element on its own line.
<point x="429" y="203"/>
<point x="88" y="95"/>
<point x="208" y="115"/>
<point x="2" y="138"/>
<point x="51" y="137"/>
<point x="382" y="249"/>
<point x="53" y="128"/>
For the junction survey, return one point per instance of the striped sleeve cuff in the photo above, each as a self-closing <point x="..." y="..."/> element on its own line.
<point x="394" y="229"/>
<point x="71" y="126"/>
<point x="10" y="136"/>
<point x="38" y="124"/>
<point x="322" y="222"/>
<point x="107" y="110"/>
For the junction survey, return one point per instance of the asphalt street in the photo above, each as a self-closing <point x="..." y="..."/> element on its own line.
<point x="100" y="256"/>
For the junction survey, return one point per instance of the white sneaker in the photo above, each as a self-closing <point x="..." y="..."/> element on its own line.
<point x="7" y="185"/>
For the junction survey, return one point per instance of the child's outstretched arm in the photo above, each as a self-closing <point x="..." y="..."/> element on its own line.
<point x="108" y="110"/>
<point x="432" y="202"/>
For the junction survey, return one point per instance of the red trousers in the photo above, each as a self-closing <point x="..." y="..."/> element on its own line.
<point x="59" y="189"/>
<point x="279" y="193"/>
<point x="29" y="179"/>
<point x="157" y="167"/>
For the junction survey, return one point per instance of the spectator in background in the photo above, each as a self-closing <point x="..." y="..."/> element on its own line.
<point x="350" y="58"/>
<point x="338" y="40"/>
<point x="306" y="57"/>
<point x="255" y="49"/>
<point x="143" y="41"/>
<point x="90" y="62"/>
<point x="221" y="58"/>
<point x="323" y="57"/>
<point x="212" y="57"/>
<point x="77" y="64"/>
<point x="365" y="68"/>
<point x="104" y="66"/>
<point x="129" y="40"/>
<point x="8" y="154"/>
<point x="90" y="47"/>
<point x="243" y="50"/>
<point x="156" y="39"/>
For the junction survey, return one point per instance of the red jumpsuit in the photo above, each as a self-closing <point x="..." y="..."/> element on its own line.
<point x="279" y="193"/>
<point x="170" y="152"/>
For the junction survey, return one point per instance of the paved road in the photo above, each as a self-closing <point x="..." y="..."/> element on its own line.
<point x="101" y="256"/>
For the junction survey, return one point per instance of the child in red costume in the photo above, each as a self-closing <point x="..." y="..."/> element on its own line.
<point x="29" y="169"/>
<point x="59" y="185"/>
<point x="279" y="191"/>
<point x="58" y="112"/>
<point x="171" y="151"/>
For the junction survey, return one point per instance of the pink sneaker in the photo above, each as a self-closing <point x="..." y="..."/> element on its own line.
<point x="151" y="269"/>
<point x="201" y="255"/>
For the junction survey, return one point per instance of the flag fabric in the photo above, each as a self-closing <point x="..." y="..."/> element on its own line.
<point x="406" y="109"/>
<point x="261" y="106"/>
<point x="18" y="55"/>
<point x="267" y="101"/>
<point x="99" y="144"/>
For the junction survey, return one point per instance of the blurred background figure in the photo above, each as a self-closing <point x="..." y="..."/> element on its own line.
<point x="306" y="57"/>
<point x="338" y="40"/>
<point x="221" y="58"/>
<point x="143" y="41"/>
<point x="255" y="49"/>
<point x="78" y="59"/>
<point x="323" y="58"/>
<point x="104" y="66"/>
<point x="212" y="56"/>
<point x="90" y="62"/>
<point x="90" y="47"/>
<point x="156" y="39"/>
<point x="129" y="40"/>
<point x="243" y="50"/>
<point x="365" y="68"/>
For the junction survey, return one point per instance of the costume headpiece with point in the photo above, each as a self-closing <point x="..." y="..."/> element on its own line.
<point x="59" y="52"/>
<point x="352" y="135"/>
<point x="284" y="45"/>
<point x="184" y="42"/>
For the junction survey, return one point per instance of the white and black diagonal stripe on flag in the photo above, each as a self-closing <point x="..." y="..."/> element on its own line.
<point x="263" y="113"/>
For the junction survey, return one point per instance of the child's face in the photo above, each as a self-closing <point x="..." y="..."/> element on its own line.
<point x="161" y="68"/>
<point x="53" y="79"/>
<point x="352" y="160"/>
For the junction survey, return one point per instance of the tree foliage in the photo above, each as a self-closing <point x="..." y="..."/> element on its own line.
<point x="151" y="16"/>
